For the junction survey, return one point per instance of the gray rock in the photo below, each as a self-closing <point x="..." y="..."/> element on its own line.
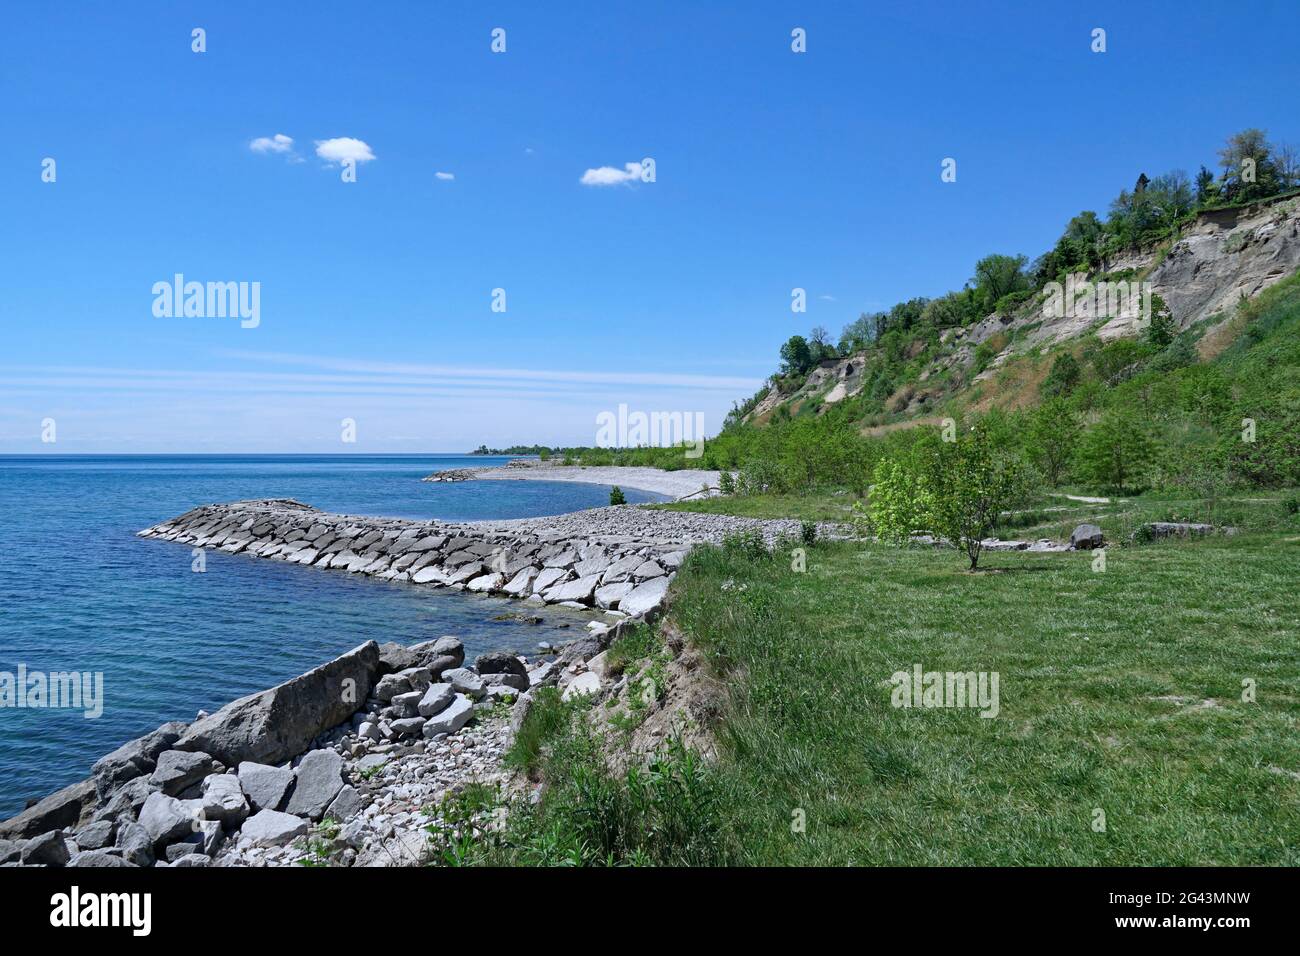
<point x="449" y="646"/>
<point x="345" y="806"/>
<point x="99" y="858"/>
<point x="548" y="578"/>
<point x="392" y="685"/>
<point x="224" y="801"/>
<point x="191" y="844"/>
<point x="272" y="726"/>
<point x="582" y="685"/>
<point x="126" y="802"/>
<point x="264" y="785"/>
<point x="491" y="581"/>
<point x="1181" y="529"/>
<point x="395" y="657"/>
<point x="435" y="699"/>
<point x="499" y="662"/>
<point x="644" y="599"/>
<point x="650" y="569"/>
<point x="10" y="850"/>
<point x="318" y="780"/>
<point x="522" y="583"/>
<point x="165" y="819"/>
<point x="439" y="665"/>
<point x="608" y="595"/>
<point x="407" y="705"/>
<point x="408" y="848"/>
<point x="273" y="828"/>
<point x="48" y="849"/>
<point x="621" y="570"/>
<point x="136" y="844"/>
<point x="407" y="726"/>
<point x="465" y="681"/>
<point x="62" y="809"/>
<point x="192" y="859"/>
<point x="96" y="836"/>
<point x="178" y="770"/>
<point x="516" y="681"/>
<point x="134" y="758"/>
<point x="1086" y="537"/>
<point x="453" y="718"/>
<point x="579" y="591"/>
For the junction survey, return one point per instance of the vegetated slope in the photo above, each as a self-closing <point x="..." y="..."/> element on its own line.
<point x="1222" y="257"/>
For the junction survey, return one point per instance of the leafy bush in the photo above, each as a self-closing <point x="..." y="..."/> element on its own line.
<point x="616" y="496"/>
<point x="748" y="543"/>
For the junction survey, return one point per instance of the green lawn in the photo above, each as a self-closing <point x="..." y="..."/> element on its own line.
<point x="1119" y="691"/>
<point x="814" y="506"/>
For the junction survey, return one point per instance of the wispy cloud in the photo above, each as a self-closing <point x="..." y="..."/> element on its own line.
<point x="342" y="149"/>
<point x="446" y="177"/>
<point x="612" y="175"/>
<point x="279" y="143"/>
<point x="655" y="379"/>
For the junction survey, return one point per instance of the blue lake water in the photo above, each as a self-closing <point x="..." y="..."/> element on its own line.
<point x="79" y="592"/>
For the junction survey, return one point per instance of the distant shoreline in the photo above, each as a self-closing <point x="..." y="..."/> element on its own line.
<point x="684" y="483"/>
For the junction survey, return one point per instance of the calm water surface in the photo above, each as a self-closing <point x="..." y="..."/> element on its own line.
<point x="79" y="592"/>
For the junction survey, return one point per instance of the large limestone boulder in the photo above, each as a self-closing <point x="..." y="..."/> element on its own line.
<point x="1086" y="537"/>
<point x="644" y="599"/>
<point x="135" y="758"/>
<point x="273" y="828"/>
<point x="178" y="770"/>
<point x="62" y="809"/>
<point x="223" y="800"/>
<point x="276" y="724"/>
<point x="318" y="781"/>
<point x="451" y="719"/>
<point x="499" y="662"/>
<point x="264" y="786"/>
<point x="166" y="820"/>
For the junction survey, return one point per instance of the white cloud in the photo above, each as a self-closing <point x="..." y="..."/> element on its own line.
<point x="611" y="175"/>
<point x="445" y="176"/>
<point x="828" y="298"/>
<point x="279" y="143"/>
<point x="343" y="148"/>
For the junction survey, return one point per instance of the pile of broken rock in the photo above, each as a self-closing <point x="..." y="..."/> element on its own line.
<point x="369" y="742"/>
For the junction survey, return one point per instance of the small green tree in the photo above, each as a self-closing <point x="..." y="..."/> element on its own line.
<point x="1116" y="453"/>
<point x="1051" y="437"/>
<point x="726" y="483"/>
<point x="1063" y="376"/>
<point x="796" y="356"/>
<point x="1162" y="328"/>
<point x="958" y="491"/>
<point x="616" y="496"/>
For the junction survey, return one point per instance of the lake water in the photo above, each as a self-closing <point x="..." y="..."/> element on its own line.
<point x="79" y="592"/>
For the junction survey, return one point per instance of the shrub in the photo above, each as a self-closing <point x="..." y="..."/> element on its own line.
<point x="958" y="491"/>
<point x="726" y="483"/>
<point x="616" y="496"/>
<point x="808" y="532"/>
<point x="748" y="543"/>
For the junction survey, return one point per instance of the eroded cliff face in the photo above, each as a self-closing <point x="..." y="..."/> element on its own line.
<point x="1225" y="256"/>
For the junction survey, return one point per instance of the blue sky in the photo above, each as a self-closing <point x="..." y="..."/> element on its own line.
<point x="774" y="170"/>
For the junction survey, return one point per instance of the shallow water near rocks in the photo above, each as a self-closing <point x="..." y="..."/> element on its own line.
<point x="79" y="592"/>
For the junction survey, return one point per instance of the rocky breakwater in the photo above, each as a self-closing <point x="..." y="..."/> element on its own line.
<point x="624" y="573"/>
<point x="618" y="559"/>
<point x="347" y="764"/>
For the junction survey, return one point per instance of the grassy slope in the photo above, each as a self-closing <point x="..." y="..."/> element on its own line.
<point x="1082" y="657"/>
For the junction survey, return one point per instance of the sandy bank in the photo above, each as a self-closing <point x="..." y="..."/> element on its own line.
<point x="686" y="483"/>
